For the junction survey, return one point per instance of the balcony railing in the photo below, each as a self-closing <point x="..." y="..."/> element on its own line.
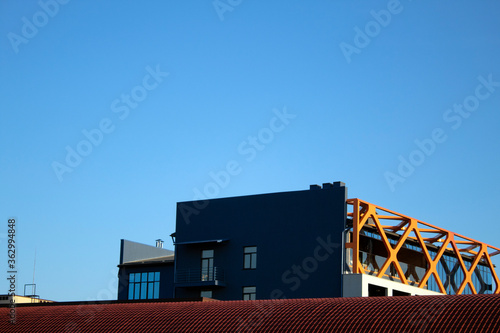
<point x="205" y="276"/>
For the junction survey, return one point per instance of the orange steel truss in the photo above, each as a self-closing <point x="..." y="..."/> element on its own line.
<point x="427" y="235"/>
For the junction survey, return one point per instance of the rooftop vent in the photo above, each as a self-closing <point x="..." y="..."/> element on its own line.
<point x="159" y="243"/>
<point x="327" y="185"/>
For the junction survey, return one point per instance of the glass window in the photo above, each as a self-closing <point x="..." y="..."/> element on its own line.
<point x="249" y="293"/>
<point x="130" y="291"/>
<point x="144" y="289"/>
<point x="137" y="291"/>
<point x="144" y="285"/>
<point x="207" y="254"/>
<point x="156" y="292"/>
<point x="150" y="290"/>
<point x="206" y="293"/>
<point x="207" y="265"/>
<point x="250" y="257"/>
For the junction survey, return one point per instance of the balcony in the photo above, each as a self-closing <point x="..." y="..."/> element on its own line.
<point x="200" y="277"/>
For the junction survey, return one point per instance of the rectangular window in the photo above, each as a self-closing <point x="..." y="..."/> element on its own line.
<point x="150" y="290"/>
<point x="131" y="286"/>
<point x="144" y="285"/>
<point x="144" y="289"/>
<point x="156" y="291"/>
<point x="399" y="293"/>
<point x="137" y="294"/>
<point x="130" y="290"/>
<point x="374" y="290"/>
<point x="137" y="286"/>
<point x="206" y="293"/>
<point x="249" y="293"/>
<point x="207" y="265"/>
<point x="250" y="257"/>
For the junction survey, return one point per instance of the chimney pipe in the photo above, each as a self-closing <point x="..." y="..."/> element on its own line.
<point x="159" y="243"/>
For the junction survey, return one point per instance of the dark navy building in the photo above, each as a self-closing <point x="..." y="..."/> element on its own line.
<point x="262" y="246"/>
<point x="278" y="245"/>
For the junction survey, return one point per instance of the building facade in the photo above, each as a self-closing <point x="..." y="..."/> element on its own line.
<point x="262" y="246"/>
<point x="313" y="243"/>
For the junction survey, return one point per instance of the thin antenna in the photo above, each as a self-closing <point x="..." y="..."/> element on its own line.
<point x="34" y="266"/>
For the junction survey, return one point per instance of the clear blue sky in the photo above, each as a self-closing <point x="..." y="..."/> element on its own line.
<point x="359" y="101"/>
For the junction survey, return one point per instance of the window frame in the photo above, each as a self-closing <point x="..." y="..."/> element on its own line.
<point x="249" y="293"/>
<point x="147" y="288"/>
<point x="207" y="265"/>
<point x="250" y="257"/>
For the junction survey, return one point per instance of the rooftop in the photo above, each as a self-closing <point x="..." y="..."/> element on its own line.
<point x="155" y="260"/>
<point x="464" y="313"/>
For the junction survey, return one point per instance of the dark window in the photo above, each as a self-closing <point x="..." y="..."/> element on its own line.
<point x="249" y="293"/>
<point x="400" y="293"/>
<point x="250" y="257"/>
<point x="206" y="293"/>
<point x="207" y="265"/>
<point x="374" y="290"/>
<point x="144" y="285"/>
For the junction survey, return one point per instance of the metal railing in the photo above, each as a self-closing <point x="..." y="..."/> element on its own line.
<point x="199" y="275"/>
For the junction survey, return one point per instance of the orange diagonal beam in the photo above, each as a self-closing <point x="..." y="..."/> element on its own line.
<point x="363" y="211"/>
<point x="466" y="279"/>
<point x="432" y="269"/>
<point x="492" y="268"/>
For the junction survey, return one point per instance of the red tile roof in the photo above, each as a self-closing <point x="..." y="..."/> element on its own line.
<point x="464" y="313"/>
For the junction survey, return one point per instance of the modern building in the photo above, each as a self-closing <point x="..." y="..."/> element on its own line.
<point x="313" y="243"/>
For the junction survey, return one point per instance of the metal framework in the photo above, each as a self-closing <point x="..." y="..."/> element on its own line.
<point x="408" y="229"/>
